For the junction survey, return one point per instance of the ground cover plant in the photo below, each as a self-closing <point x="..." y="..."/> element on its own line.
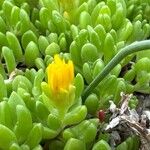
<point x="72" y="74"/>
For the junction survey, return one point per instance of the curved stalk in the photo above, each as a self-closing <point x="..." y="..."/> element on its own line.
<point x="132" y="48"/>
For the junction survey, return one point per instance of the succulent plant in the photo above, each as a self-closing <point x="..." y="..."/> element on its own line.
<point x="61" y="61"/>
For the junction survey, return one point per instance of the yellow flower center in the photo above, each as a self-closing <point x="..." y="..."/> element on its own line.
<point x="60" y="74"/>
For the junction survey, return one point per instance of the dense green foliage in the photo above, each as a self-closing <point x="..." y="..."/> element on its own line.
<point x="90" y="33"/>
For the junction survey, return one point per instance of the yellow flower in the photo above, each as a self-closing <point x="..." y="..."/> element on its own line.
<point x="68" y="4"/>
<point x="69" y="7"/>
<point x="60" y="74"/>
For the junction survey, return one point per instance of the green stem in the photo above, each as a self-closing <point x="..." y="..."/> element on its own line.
<point x="132" y="48"/>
